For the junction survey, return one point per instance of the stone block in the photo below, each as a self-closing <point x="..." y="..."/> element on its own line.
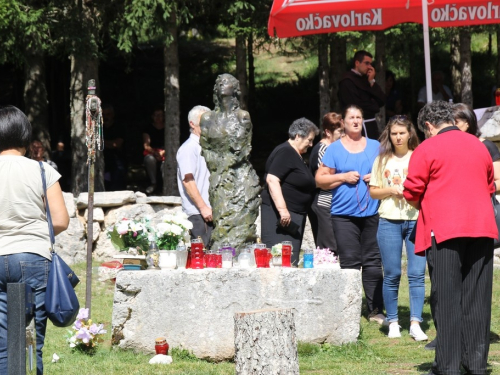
<point x="103" y="249"/>
<point x="69" y="201"/>
<point x="98" y="215"/>
<point x="174" y="201"/>
<point x="71" y="245"/>
<point x="194" y="309"/>
<point x="106" y="199"/>
<point x="130" y="211"/>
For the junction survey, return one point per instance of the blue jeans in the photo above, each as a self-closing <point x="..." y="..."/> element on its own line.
<point x="33" y="270"/>
<point x="390" y="236"/>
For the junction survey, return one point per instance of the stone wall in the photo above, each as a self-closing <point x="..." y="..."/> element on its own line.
<point x="194" y="309"/>
<point x="110" y="207"/>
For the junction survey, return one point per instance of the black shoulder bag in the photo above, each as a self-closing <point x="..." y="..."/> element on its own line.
<point x="61" y="302"/>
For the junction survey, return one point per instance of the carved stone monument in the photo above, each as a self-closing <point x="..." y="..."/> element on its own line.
<point x="226" y="135"/>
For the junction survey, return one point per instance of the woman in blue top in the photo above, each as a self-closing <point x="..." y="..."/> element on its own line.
<point x="346" y="169"/>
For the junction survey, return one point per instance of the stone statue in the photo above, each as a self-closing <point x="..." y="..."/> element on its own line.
<point x="226" y="135"/>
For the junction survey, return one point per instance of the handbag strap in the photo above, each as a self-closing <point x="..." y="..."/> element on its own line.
<point x="47" y="208"/>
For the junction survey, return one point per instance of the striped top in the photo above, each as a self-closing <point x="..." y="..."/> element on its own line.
<point x="324" y="196"/>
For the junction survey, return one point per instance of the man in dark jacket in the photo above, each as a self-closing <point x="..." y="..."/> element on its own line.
<point x="358" y="87"/>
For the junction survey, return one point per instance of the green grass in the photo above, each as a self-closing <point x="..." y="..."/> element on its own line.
<point x="372" y="354"/>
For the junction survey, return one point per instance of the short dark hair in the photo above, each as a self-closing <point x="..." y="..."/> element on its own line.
<point x="437" y="113"/>
<point x="349" y="107"/>
<point x="463" y="112"/>
<point x="360" y="56"/>
<point x="302" y="128"/>
<point x="331" y="121"/>
<point x="15" y="128"/>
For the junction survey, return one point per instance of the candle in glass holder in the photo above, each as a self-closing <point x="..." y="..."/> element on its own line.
<point x="261" y="255"/>
<point x="308" y="258"/>
<point x="197" y="254"/>
<point x="286" y="254"/>
<point x="161" y="346"/>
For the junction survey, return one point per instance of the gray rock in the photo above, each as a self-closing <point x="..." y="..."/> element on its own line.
<point x="71" y="245"/>
<point x="103" y="249"/>
<point x="98" y="214"/>
<point x="194" y="309"/>
<point x="69" y="201"/>
<point x="130" y="211"/>
<point x="106" y="199"/>
<point x="160" y="200"/>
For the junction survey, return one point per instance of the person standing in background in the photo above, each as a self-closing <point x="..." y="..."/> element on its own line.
<point x="319" y="214"/>
<point x="153" y="138"/>
<point x="358" y="87"/>
<point x="193" y="179"/>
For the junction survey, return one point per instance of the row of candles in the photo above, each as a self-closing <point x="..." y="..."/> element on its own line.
<point x="257" y="255"/>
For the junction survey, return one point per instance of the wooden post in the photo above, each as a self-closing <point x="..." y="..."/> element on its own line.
<point x="265" y="342"/>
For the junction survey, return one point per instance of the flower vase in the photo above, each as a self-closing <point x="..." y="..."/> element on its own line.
<point x="168" y="259"/>
<point x="277" y="261"/>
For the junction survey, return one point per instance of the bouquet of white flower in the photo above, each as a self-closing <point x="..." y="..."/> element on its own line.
<point x="173" y="229"/>
<point x="127" y="234"/>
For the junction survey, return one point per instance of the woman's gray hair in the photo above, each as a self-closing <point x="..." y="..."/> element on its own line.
<point x="437" y="113"/>
<point x="302" y="127"/>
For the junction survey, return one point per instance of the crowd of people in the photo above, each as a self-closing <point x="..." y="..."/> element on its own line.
<point x="377" y="192"/>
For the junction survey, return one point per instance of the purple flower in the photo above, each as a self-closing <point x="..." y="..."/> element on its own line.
<point x="78" y="324"/>
<point x="135" y="234"/>
<point x="97" y="329"/>
<point x="83" y="314"/>
<point x="84" y="335"/>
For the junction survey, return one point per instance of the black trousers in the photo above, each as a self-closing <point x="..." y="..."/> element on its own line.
<point x="321" y="226"/>
<point x="272" y="234"/>
<point x="358" y="249"/>
<point x="201" y="228"/>
<point x="461" y="287"/>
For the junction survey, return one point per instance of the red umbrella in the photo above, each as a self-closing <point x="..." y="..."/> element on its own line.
<point x="291" y="18"/>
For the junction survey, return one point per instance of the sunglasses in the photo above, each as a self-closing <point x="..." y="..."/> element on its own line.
<point x="398" y="118"/>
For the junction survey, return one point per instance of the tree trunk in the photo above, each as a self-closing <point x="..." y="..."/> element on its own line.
<point x="172" y="117"/>
<point x="241" y="69"/>
<point x="456" y="76"/>
<point x="380" y="69"/>
<point x="82" y="69"/>
<point x="324" y="81"/>
<point x="251" y="74"/>
<point x="337" y="68"/>
<point x="265" y="342"/>
<point x="465" y="66"/>
<point x="35" y="97"/>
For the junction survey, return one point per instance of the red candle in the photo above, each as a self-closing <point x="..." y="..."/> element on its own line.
<point x="161" y="346"/>
<point x="286" y="254"/>
<point x="197" y="254"/>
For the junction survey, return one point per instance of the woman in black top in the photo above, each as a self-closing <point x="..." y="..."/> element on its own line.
<point x="466" y="121"/>
<point x="289" y="189"/>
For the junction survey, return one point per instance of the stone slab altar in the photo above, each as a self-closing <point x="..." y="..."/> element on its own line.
<point x="194" y="309"/>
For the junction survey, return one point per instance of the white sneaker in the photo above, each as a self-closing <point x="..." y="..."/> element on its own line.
<point x="394" y="330"/>
<point x="417" y="333"/>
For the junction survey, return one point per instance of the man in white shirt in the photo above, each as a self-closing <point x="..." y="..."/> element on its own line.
<point x="439" y="90"/>
<point x="193" y="179"/>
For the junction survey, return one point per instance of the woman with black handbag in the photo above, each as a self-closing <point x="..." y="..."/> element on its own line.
<point x="25" y="248"/>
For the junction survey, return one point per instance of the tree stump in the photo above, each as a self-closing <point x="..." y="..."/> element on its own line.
<point x="265" y="342"/>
